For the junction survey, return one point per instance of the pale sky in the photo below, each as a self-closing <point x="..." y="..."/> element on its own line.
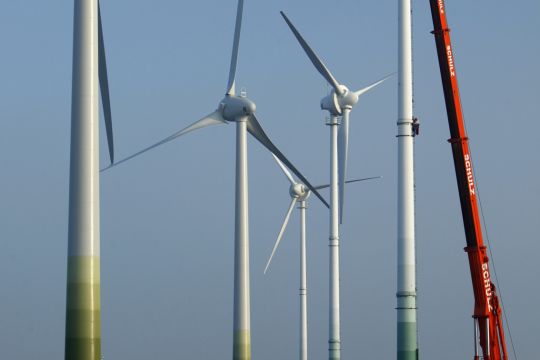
<point x="167" y="217"/>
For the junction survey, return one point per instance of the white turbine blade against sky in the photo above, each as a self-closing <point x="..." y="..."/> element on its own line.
<point x="376" y="83"/>
<point x="280" y="234"/>
<point x="343" y="153"/>
<point x="214" y="118"/>
<point x="236" y="43"/>
<point x="104" y="87"/>
<point x="285" y="170"/>
<point x="343" y="148"/>
<point x="319" y="187"/>
<point x="319" y="65"/>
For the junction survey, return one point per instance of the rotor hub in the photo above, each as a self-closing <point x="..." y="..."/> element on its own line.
<point x="299" y="191"/>
<point x="347" y="99"/>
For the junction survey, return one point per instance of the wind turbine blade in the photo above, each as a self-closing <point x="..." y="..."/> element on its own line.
<point x="104" y="87"/>
<point x="363" y="179"/>
<point x="280" y="235"/>
<point x="285" y="170"/>
<point x="343" y="153"/>
<point x="214" y="118"/>
<point x="319" y="65"/>
<point x="236" y="43"/>
<point x="367" y="88"/>
<point x="255" y="129"/>
<point x="348" y="182"/>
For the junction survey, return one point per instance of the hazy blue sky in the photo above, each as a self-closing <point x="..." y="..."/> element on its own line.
<point x="167" y="217"/>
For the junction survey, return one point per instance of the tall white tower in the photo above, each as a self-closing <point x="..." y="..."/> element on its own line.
<point x="407" y="345"/>
<point x="83" y="333"/>
<point x="83" y="320"/>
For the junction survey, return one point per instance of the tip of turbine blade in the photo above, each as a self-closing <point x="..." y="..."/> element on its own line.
<point x="268" y="265"/>
<point x="285" y="18"/>
<point x="106" y="168"/>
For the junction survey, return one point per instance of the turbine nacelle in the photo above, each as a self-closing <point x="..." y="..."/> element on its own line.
<point x="336" y="102"/>
<point x="299" y="191"/>
<point x="331" y="104"/>
<point x="234" y="107"/>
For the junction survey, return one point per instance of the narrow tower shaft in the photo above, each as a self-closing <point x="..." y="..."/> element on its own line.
<point x="334" y="341"/>
<point x="407" y="346"/>
<point x="303" y="283"/>
<point x="83" y="330"/>
<point x="241" y="331"/>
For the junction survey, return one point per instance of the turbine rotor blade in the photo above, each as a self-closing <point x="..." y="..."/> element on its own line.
<point x="214" y="118"/>
<point x="285" y="170"/>
<point x="367" y="88"/>
<point x="255" y="129"/>
<point x="363" y="179"/>
<point x="236" y="43"/>
<point x="319" y="187"/>
<point x="343" y="153"/>
<point x="104" y="87"/>
<point x="319" y="65"/>
<point x="280" y="235"/>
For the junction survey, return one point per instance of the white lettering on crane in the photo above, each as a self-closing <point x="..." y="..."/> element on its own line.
<point x="441" y="7"/>
<point x="470" y="177"/>
<point x="487" y="285"/>
<point x="450" y="57"/>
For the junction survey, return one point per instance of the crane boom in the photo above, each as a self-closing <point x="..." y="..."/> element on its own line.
<point x="487" y="317"/>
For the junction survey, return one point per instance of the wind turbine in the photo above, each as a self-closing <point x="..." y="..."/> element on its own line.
<point x="299" y="194"/>
<point x="83" y="331"/>
<point x="338" y="103"/>
<point x="239" y="110"/>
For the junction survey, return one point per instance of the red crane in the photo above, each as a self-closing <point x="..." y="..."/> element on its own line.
<point x="487" y="317"/>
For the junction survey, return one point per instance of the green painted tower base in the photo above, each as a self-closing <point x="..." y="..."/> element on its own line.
<point x="407" y="346"/>
<point x="83" y="325"/>
<point x="407" y="342"/>
<point x="242" y="345"/>
<point x="407" y="355"/>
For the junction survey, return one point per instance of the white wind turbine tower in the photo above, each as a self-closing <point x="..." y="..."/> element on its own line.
<point x="239" y="110"/>
<point x="83" y="332"/>
<point x="339" y="103"/>
<point x="299" y="194"/>
<point x="407" y="343"/>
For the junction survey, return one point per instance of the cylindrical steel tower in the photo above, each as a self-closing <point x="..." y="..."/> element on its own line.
<point x="407" y="345"/>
